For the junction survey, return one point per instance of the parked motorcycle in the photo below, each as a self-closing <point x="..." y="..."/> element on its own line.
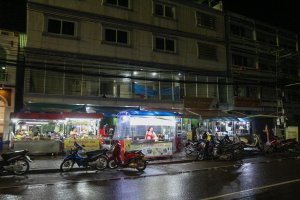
<point x="132" y="159"/>
<point x="289" y="145"/>
<point x="224" y="149"/>
<point x="81" y="157"/>
<point x="278" y="145"/>
<point x="255" y="143"/>
<point x="192" y="147"/>
<point x="16" y="162"/>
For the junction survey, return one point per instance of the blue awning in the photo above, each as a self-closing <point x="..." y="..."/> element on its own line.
<point x="148" y="113"/>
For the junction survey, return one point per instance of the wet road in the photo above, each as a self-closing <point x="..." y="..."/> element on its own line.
<point x="251" y="179"/>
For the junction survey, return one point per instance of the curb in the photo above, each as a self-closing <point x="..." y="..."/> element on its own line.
<point x="40" y="171"/>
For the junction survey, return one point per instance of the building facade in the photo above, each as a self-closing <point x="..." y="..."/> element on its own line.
<point x="8" y="62"/>
<point x="124" y="53"/>
<point x="264" y="67"/>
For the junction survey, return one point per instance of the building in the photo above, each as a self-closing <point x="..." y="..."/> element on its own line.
<point x="108" y="54"/>
<point x="263" y="63"/>
<point x="124" y="53"/>
<point x="9" y="41"/>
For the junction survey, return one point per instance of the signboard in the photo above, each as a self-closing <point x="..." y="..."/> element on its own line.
<point x="89" y="144"/>
<point x="153" y="149"/>
<point x="291" y="132"/>
<point x="197" y="102"/>
<point x="246" y="102"/>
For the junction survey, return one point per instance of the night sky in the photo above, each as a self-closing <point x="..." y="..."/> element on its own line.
<point x="281" y="13"/>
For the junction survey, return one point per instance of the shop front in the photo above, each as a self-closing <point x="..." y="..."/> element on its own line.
<point x="231" y="126"/>
<point x="42" y="133"/>
<point x="152" y="132"/>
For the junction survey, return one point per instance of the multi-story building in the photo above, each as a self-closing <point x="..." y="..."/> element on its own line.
<point x="8" y="61"/>
<point x="124" y="53"/>
<point x="264" y="67"/>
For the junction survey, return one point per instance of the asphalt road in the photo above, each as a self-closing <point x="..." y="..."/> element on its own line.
<point x="268" y="178"/>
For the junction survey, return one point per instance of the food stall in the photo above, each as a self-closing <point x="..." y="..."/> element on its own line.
<point x="131" y="130"/>
<point x="231" y="126"/>
<point x="43" y="133"/>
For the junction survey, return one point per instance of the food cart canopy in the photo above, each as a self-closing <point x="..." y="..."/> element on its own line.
<point x="148" y="113"/>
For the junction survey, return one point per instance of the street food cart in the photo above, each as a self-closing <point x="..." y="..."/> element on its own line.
<point x="131" y="130"/>
<point x="43" y="133"/>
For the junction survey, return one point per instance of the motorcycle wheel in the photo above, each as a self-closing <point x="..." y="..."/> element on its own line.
<point x="188" y="150"/>
<point x="140" y="164"/>
<point x="101" y="163"/>
<point x="66" y="165"/>
<point x="21" y="167"/>
<point x="201" y="155"/>
<point x="112" y="164"/>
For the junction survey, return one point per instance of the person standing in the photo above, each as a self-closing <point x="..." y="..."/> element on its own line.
<point x="102" y="131"/>
<point x="150" y="134"/>
<point x="74" y="133"/>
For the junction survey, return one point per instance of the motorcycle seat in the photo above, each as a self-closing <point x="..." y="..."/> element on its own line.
<point x="11" y="154"/>
<point x="93" y="152"/>
<point x="133" y="151"/>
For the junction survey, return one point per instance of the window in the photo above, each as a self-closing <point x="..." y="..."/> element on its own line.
<point x="120" y="3"/>
<point x="240" y="31"/>
<point x="61" y="27"/>
<point x="266" y="38"/>
<point x="164" y="10"/>
<point x="205" y="20"/>
<point x="207" y="51"/>
<point x="242" y="61"/>
<point x="116" y="36"/>
<point x="164" y="44"/>
<point x="3" y="74"/>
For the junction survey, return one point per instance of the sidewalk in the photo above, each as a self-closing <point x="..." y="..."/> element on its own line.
<point x="51" y="164"/>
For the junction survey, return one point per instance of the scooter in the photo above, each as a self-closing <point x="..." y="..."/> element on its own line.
<point x="81" y="157"/>
<point x="16" y="162"/>
<point x="224" y="149"/>
<point x="255" y="144"/>
<point x="192" y="147"/>
<point x="132" y="159"/>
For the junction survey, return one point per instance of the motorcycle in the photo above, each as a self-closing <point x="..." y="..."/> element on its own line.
<point x="256" y="143"/>
<point x="224" y="149"/>
<point x="97" y="158"/>
<point x="289" y="145"/>
<point x="192" y="147"/>
<point x="278" y="145"/>
<point x="16" y="162"/>
<point x="132" y="159"/>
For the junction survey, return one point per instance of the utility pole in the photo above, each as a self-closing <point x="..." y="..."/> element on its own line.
<point x="280" y="111"/>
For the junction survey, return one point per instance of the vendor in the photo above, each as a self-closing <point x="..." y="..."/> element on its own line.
<point x="20" y="134"/>
<point x="73" y="133"/>
<point x="150" y="134"/>
<point x="102" y="131"/>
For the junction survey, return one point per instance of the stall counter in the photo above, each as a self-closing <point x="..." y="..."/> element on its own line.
<point x="150" y="148"/>
<point x="39" y="146"/>
<point x="89" y="143"/>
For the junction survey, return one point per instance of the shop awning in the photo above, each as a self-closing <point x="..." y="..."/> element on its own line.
<point x="205" y="114"/>
<point x="261" y="116"/>
<point x="55" y="116"/>
<point x="40" y="116"/>
<point x="54" y="108"/>
<point x="148" y="113"/>
<point x="107" y="111"/>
